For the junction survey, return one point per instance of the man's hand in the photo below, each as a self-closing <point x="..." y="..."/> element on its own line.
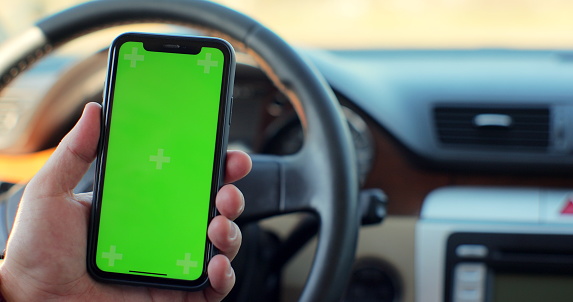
<point x="46" y="252"/>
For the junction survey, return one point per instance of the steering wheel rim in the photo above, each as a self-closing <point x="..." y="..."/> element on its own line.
<point x="321" y="178"/>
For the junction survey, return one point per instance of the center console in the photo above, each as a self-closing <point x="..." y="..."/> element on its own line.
<point x="483" y="244"/>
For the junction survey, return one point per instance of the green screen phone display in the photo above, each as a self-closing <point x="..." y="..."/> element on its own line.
<point x="161" y="161"/>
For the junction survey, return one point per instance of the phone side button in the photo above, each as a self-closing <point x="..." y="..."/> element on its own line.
<point x="231" y="111"/>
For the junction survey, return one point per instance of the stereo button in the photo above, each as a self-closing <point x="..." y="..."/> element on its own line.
<point x="471" y="251"/>
<point x="469" y="282"/>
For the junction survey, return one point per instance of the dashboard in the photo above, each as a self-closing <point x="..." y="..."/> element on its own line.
<point x="503" y="110"/>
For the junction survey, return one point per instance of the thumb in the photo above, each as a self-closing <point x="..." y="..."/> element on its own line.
<point x="72" y="157"/>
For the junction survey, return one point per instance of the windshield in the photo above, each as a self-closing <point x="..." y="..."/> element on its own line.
<point x="367" y="24"/>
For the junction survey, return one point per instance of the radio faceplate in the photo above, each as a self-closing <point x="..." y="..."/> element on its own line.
<point x="496" y="267"/>
<point x="495" y="245"/>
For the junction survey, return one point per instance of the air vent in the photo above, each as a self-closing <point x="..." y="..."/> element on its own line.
<point x="493" y="127"/>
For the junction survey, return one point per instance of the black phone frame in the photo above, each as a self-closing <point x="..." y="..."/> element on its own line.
<point x="162" y="43"/>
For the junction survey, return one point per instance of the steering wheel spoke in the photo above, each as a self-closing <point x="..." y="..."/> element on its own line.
<point x="276" y="185"/>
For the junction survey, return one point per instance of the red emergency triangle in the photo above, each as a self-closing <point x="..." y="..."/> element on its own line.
<point x="568" y="208"/>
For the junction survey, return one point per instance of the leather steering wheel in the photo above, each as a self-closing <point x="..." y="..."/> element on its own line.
<point x="321" y="178"/>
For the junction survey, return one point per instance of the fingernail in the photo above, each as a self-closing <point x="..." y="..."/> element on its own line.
<point x="234" y="231"/>
<point x="229" y="273"/>
<point x="243" y="203"/>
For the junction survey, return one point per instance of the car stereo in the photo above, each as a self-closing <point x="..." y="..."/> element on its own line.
<point x="495" y="245"/>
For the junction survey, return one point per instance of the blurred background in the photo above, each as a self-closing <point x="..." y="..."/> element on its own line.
<point x="387" y="24"/>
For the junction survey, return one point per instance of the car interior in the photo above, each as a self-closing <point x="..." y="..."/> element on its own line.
<point x="391" y="173"/>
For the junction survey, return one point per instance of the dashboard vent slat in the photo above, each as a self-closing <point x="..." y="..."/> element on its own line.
<point x="509" y="127"/>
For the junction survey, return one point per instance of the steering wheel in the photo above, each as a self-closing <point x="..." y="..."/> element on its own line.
<point x="321" y="178"/>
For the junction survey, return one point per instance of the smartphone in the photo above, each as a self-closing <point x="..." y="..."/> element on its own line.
<point x="161" y="159"/>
